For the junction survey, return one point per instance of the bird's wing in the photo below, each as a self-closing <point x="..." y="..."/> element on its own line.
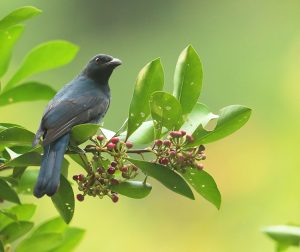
<point x="62" y="115"/>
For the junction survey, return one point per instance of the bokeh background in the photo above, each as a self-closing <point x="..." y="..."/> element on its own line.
<point x="250" y="51"/>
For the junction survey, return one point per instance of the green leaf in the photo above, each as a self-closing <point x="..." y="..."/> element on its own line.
<point x="40" y="243"/>
<point x="149" y="80"/>
<point x="7" y="193"/>
<point x="71" y="238"/>
<point x="64" y="201"/>
<point x="8" y="40"/>
<point x="18" y="16"/>
<point x="166" y="176"/>
<point x="15" y="230"/>
<point x="188" y="79"/>
<point x="1" y="247"/>
<point x="27" y="182"/>
<point x="133" y="189"/>
<point x="44" y="57"/>
<point x="65" y="167"/>
<point x="165" y="111"/>
<point x="204" y="184"/>
<point x="31" y="158"/>
<point x="15" y="136"/>
<point x="284" y="235"/>
<point x="200" y="115"/>
<point x="230" y="120"/>
<point x="56" y="225"/>
<point x="31" y="91"/>
<point x="81" y="133"/>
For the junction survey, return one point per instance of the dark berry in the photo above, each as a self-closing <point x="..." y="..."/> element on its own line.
<point x="111" y="170"/>
<point x="114" y="197"/>
<point x="129" y="145"/>
<point x="81" y="177"/>
<point x="80" y="197"/>
<point x="115" y="140"/>
<point x="164" y="161"/>
<point x="175" y="134"/>
<point x="124" y="169"/>
<point x="114" y="181"/>
<point x="100" y="138"/>
<point x="183" y="132"/>
<point x="190" y="138"/>
<point x="113" y="163"/>
<point x="111" y="146"/>
<point x="167" y="143"/>
<point x="201" y="148"/>
<point x="100" y="170"/>
<point x="172" y="153"/>
<point x="75" y="177"/>
<point x="158" y="142"/>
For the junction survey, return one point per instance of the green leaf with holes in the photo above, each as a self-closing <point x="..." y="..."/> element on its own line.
<point x="8" y="39"/>
<point x="31" y="91"/>
<point x="149" y="80"/>
<point x="231" y="119"/>
<point x="284" y="235"/>
<point x="204" y="184"/>
<point x="188" y="79"/>
<point x="165" y="111"/>
<point x="19" y="15"/>
<point x="81" y="133"/>
<point x="44" y="57"/>
<point x="15" y="230"/>
<point x="169" y="178"/>
<point x="133" y="189"/>
<point x="7" y="193"/>
<point x="15" y="136"/>
<point x="64" y="201"/>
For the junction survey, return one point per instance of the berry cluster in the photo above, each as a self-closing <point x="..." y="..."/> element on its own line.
<point x="105" y="173"/>
<point x="175" y="153"/>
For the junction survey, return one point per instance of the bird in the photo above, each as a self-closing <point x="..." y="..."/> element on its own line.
<point x="85" y="99"/>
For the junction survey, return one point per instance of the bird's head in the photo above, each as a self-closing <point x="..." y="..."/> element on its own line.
<point x="100" y="67"/>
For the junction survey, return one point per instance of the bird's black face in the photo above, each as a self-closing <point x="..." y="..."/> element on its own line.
<point x="101" y="67"/>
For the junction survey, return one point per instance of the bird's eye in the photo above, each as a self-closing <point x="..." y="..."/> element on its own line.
<point x="98" y="60"/>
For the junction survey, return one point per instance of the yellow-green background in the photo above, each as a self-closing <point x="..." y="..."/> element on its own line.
<point x="251" y="56"/>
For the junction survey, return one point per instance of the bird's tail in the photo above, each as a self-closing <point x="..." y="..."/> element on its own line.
<point x="49" y="176"/>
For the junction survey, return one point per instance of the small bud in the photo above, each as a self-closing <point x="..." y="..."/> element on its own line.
<point x="115" y="140"/>
<point x="111" y="146"/>
<point x="172" y="153"/>
<point x="201" y="148"/>
<point x="124" y="168"/>
<point x="203" y="156"/>
<point x="189" y="138"/>
<point x="180" y="157"/>
<point x="129" y="145"/>
<point x="81" y="177"/>
<point x="158" y="142"/>
<point x="164" y="161"/>
<point x="175" y="134"/>
<point x="125" y="175"/>
<point x="114" y="181"/>
<point x="167" y="143"/>
<point x="114" y="197"/>
<point x="200" y="167"/>
<point x="113" y="163"/>
<point x="80" y="197"/>
<point x="111" y="170"/>
<point x="100" y="170"/>
<point x="75" y="177"/>
<point x="183" y="132"/>
<point x="100" y="138"/>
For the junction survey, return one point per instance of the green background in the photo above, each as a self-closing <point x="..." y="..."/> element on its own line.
<point x="250" y="52"/>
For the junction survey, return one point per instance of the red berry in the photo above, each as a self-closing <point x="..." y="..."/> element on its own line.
<point x="114" y="197"/>
<point x="115" y="140"/>
<point x="124" y="169"/>
<point x="129" y="145"/>
<point x="81" y="177"/>
<point x="75" y="177"/>
<point x="158" y="142"/>
<point x="100" y="138"/>
<point x="111" y="170"/>
<point x="114" y="181"/>
<point x="172" y="153"/>
<point x="167" y="143"/>
<point x="80" y="197"/>
<point x="183" y="132"/>
<point x="175" y="134"/>
<point x="190" y="138"/>
<point x="111" y="146"/>
<point x="100" y="170"/>
<point x="113" y="163"/>
<point x="164" y="161"/>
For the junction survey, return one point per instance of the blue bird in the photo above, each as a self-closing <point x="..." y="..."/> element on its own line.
<point x="83" y="100"/>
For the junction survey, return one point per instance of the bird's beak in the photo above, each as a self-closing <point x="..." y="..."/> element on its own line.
<point x="115" y="62"/>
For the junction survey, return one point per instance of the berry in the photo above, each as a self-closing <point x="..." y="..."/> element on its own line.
<point x="175" y="134"/>
<point x="81" y="177"/>
<point x="201" y="148"/>
<point x="100" y="138"/>
<point x="113" y="163"/>
<point x="200" y="167"/>
<point x="114" y="181"/>
<point x="203" y="156"/>
<point x="75" y="177"/>
<point x="80" y="197"/>
<point x="100" y="170"/>
<point x="167" y="143"/>
<point x="183" y="132"/>
<point x="124" y="169"/>
<point x="158" y="142"/>
<point x="111" y="146"/>
<point x="111" y="170"/>
<point x="129" y="145"/>
<point x="190" y="138"/>
<point x="172" y="153"/>
<point x="114" y="197"/>
<point x="164" y="161"/>
<point x="115" y="140"/>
